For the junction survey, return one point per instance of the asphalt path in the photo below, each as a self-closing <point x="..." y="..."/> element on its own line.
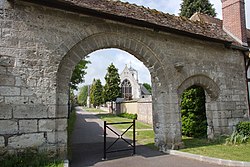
<point x="87" y="148"/>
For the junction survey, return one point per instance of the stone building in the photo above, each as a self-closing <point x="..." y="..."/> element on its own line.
<point x="131" y="88"/>
<point x="42" y="41"/>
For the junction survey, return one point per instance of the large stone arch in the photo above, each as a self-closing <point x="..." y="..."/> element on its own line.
<point x="212" y="93"/>
<point x="99" y="41"/>
<point x="140" y="50"/>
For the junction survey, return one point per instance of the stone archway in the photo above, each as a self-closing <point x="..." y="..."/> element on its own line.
<point x="212" y="93"/>
<point x="140" y="50"/>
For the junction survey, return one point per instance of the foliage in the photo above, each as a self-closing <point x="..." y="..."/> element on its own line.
<point x="78" y="74"/>
<point x="237" y="138"/>
<point x="96" y="90"/>
<point x="127" y="115"/>
<point x="243" y="128"/>
<point x="73" y="99"/>
<point x="240" y="135"/>
<point x="112" y="88"/>
<point x="82" y="96"/>
<point x="189" y="7"/>
<point x="30" y="159"/>
<point x="148" y="87"/>
<point x="193" y="112"/>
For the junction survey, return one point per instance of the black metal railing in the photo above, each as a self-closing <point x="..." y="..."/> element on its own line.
<point x="108" y="149"/>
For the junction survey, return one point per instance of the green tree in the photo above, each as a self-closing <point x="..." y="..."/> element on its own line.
<point x="112" y="88"/>
<point x="148" y="87"/>
<point x="193" y="112"/>
<point x="96" y="97"/>
<point x="83" y="95"/>
<point x="98" y="93"/>
<point x="189" y="7"/>
<point x="78" y="74"/>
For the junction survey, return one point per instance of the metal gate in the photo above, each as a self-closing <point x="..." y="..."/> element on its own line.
<point x="106" y="149"/>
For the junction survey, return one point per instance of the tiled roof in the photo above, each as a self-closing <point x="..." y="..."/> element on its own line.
<point x="151" y="16"/>
<point x="206" y="19"/>
<point x="211" y="20"/>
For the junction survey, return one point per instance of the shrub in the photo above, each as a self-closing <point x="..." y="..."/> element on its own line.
<point x="241" y="134"/>
<point x="194" y="121"/>
<point x="237" y="138"/>
<point x="243" y="128"/>
<point x="127" y="115"/>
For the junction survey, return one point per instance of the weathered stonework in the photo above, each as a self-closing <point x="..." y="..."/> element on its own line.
<point x="8" y="127"/>
<point x="26" y="141"/>
<point x="40" y="47"/>
<point x="50" y="125"/>
<point x="28" y="126"/>
<point x="2" y="144"/>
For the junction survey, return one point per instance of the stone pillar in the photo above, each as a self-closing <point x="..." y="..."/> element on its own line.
<point x="166" y="119"/>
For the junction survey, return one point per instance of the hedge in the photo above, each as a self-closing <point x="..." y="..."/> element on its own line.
<point x="127" y="115"/>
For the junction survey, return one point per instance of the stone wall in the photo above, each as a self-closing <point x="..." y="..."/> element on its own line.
<point x="141" y="107"/>
<point x="145" y="110"/>
<point x="40" y="46"/>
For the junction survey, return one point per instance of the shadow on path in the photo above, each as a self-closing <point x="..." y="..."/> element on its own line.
<point x="87" y="149"/>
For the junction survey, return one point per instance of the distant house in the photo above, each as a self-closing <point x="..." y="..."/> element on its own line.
<point x="130" y="86"/>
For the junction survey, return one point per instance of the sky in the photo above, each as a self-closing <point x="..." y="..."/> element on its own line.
<point x="101" y="59"/>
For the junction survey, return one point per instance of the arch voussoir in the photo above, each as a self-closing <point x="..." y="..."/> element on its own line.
<point x="201" y="80"/>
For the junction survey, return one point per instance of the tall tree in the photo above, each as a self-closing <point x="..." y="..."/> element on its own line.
<point x="83" y="95"/>
<point x="189" y="7"/>
<point x="98" y="99"/>
<point x="78" y="74"/>
<point x="112" y="88"/>
<point x="96" y="93"/>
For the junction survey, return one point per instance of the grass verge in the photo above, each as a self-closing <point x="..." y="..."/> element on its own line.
<point x="30" y="159"/>
<point x="217" y="149"/>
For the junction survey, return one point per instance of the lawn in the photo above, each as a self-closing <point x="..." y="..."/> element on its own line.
<point x="217" y="149"/>
<point x="93" y="110"/>
<point x="204" y="147"/>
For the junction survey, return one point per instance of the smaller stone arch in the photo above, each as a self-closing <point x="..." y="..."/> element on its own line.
<point x="205" y="82"/>
<point x="212" y="90"/>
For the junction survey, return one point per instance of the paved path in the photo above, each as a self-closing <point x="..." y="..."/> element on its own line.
<point x="87" y="149"/>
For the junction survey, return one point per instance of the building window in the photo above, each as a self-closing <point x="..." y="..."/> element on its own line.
<point x="126" y="90"/>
